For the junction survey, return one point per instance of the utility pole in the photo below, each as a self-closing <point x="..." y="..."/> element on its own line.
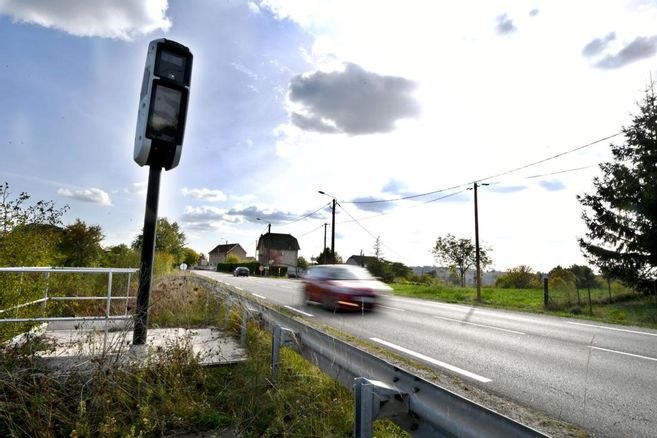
<point x="324" y="247"/>
<point x="268" y="245"/>
<point x="477" y="251"/>
<point x="333" y="233"/>
<point x="333" y="202"/>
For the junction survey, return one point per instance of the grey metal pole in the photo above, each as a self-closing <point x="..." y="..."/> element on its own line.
<point x="147" y="254"/>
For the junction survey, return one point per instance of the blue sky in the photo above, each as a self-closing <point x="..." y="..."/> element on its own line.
<point x="365" y="100"/>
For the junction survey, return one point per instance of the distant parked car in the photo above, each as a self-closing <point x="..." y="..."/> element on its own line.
<point x="241" y="271"/>
<point x="343" y="287"/>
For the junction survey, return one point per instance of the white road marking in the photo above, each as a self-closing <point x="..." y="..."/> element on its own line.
<point x="433" y="361"/>
<point x="612" y="328"/>
<point x="625" y="354"/>
<point x="392" y="308"/>
<point x="480" y="325"/>
<point x="259" y="296"/>
<point x="299" y="311"/>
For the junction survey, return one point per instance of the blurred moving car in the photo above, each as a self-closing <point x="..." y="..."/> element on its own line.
<point x="343" y="287"/>
<point x="241" y="272"/>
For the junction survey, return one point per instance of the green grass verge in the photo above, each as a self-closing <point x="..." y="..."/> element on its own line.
<point x="626" y="307"/>
<point x="174" y="393"/>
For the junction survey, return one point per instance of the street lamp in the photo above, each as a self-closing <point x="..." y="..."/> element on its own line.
<point x="332" y="224"/>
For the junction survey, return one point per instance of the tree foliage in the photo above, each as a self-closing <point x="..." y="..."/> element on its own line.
<point x="621" y="213"/>
<point x="80" y="244"/>
<point x="389" y="271"/>
<point x="326" y="258"/>
<point x="459" y="254"/>
<point x="519" y="277"/>
<point x="561" y="278"/>
<point x="378" y="251"/>
<point x="169" y="238"/>
<point x="302" y="263"/>
<point x="584" y="277"/>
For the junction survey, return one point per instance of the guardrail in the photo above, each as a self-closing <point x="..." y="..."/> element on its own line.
<point x="47" y="271"/>
<point x="381" y="389"/>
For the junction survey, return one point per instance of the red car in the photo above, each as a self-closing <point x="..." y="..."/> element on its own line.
<point x="344" y="287"/>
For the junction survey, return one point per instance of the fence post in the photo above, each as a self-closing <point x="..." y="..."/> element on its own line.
<point x="45" y="294"/>
<point x="545" y="292"/>
<point x="127" y="294"/>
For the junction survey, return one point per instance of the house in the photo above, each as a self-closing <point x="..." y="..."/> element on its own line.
<point x="279" y="250"/>
<point x="360" y="260"/>
<point x="220" y="252"/>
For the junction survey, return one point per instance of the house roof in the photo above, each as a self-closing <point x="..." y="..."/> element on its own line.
<point x="360" y="260"/>
<point x="225" y="249"/>
<point x="285" y="242"/>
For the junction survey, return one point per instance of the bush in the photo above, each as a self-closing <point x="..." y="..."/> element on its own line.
<point x="230" y="267"/>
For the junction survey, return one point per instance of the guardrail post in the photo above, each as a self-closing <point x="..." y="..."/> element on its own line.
<point x="374" y="399"/>
<point x="45" y="294"/>
<point x="281" y="337"/>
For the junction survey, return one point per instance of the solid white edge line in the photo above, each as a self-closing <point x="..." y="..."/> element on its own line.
<point x="392" y="308"/>
<point x="612" y="328"/>
<point x="433" y="361"/>
<point x="259" y="296"/>
<point x="625" y="354"/>
<point x="299" y="311"/>
<point x="480" y="325"/>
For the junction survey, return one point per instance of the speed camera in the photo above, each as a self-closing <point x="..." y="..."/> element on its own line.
<point x="163" y="104"/>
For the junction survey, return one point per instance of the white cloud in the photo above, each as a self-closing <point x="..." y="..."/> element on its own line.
<point x="121" y="19"/>
<point x="92" y="195"/>
<point x="205" y="194"/>
<point x="138" y="188"/>
<point x="254" y="8"/>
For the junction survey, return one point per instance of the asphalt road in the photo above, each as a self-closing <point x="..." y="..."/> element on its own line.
<point x="600" y="377"/>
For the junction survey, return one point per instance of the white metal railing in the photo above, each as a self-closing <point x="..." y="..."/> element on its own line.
<point x="47" y="271"/>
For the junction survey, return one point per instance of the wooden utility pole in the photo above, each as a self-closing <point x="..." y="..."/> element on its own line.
<point x="477" y="256"/>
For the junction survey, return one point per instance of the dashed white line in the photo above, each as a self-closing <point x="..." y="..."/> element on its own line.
<point x="612" y="328"/>
<point x="623" y="353"/>
<point x="259" y="296"/>
<point x="480" y="325"/>
<point x="433" y="361"/>
<point x="299" y="311"/>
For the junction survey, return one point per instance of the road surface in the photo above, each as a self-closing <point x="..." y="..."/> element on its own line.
<point x="600" y="377"/>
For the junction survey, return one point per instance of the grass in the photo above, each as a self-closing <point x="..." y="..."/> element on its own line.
<point x="625" y="308"/>
<point x="174" y="393"/>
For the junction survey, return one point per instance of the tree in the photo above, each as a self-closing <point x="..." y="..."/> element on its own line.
<point x="520" y="277"/>
<point x="326" y="258"/>
<point x="191" y="257"/>
<point x="122" y="256"/>
<point x="621" y="214"/>
<point x="168" y="238"/>
<point x="29" y="234"/>
<point x="378" y="252"/>
<point x="14" y="212"/>
<point x="561" y="278"/>
<point x="302" y="263"/>
<point x="232" y="258"/>
<point x="459" y="254"/>
<point x="80" y="244"/>
<point x="584" y="279"/>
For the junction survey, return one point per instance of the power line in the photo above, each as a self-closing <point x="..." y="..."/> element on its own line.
<point x="488" y="177"/>
<point x="311" y="231"/>
<point x="304" y="216"/>
<point x="368" y="232"/>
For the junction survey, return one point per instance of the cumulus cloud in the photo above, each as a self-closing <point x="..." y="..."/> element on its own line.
<point x="138" y="188"/>
<point x="121" y="19"/>
<point x="95" y="196"/>
<point x="352" y="101"/>
<point x="552" y="186"/>
<point x="205" y="194"/>
<point x="640" y="48"/>
<point x="533" y="12"/>
<point x="256" y="214"/>
<point x="371" y="203"/>
<point x="395" y="187"/>
<point x="504" y="25"/>
<point x="598" y="45"/>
